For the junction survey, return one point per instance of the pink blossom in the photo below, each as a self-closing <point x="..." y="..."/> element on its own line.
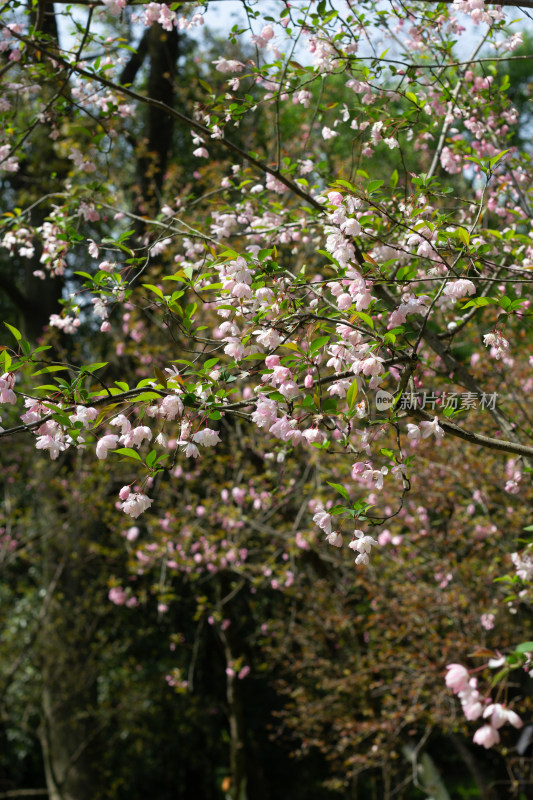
<point x="323" y="520"/>
<point x="7" y="382"/>
<point x="207" y="437"/>
<point x="362" y="543"/>
<point x="459" y="288"/>
<point x="334" y="538"/>
<point x="136" y="504"/>
<point x="327" y="133"/>
<point x="487" y="621"/>
<point x="136" y="436"/>
<point x="117" y="595"/>
<point x="344" y="301"/>
<point x="499" y="715"/>
<point x="225" y="65"/>
<point x="335" y="198"/>
<point x="433" y="427"/>
<point x="132" y="534"/>
<point x="301" y="542"/>
<point x="108" y="442"/>
<point x="487" y="736"/>
<point x="191" y="451"/>
<point x="498" y="344"/>
<point x="457" y="677"/>
<point x="413" y="432"/>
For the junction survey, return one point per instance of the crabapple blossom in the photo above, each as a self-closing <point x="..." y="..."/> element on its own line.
<point x="136" y="504"/>
<point x="362" y="544"/>
<point x="459" y="288"/>
<point x="334" y="539"/>
<point x="457" y="677"/>
<point x="499" y="715"/>
<point x="486" y="736"/>
<point x="7" y="382"/>
<point x="498" y="344"/>
<point x="323" y="520"/>
<point x="433" y="427"/>
<point x="108" y="442"/>
<point x="286" y="285"/>
<point x="206" y="437"/>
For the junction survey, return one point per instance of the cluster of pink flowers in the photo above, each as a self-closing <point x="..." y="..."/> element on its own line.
<point x="475" y="706"/>
<point x="499" y="346"/>
<point x="7" y="384"/>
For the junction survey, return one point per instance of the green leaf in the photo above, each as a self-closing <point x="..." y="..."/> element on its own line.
<point x="205" y="86"/>
<point x="151" y="458"/>
<point x="128" y="453"/>
<point x="147" y="396"/>
<point x="340" y="489"/>
<point x="5" y="360"/>
<point x="373" y="186"/>
<point x="394" y="179"/>
<point x="463" y="235"/>
<point x="95" y="366"/>
<point x="351" y="394"/>
<point x="16" y="333"/>
<point x="318" y="344"/>
<point x="155" y="289"/>
<point x="494" y="160"/>
<point x="52" y="368"/>
<point x="479" y="302"/>
<point x="525" y="647"/>
<point x="366" y="318"/>
<point x="211" y="287"/>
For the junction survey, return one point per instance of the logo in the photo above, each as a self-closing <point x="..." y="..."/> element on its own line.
<point x="384" y="400"/>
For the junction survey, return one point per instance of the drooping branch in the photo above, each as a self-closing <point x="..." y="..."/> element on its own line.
<point x="172" y="112"/>
<point x="476" y="438"/>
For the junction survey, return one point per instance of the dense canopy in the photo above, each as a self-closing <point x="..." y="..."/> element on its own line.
<point x="266" y="280"/>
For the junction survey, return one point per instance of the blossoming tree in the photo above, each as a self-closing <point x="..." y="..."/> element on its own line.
<point x="351" y="281"/>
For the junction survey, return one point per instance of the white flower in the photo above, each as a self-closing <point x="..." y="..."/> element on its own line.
<point x="459" y="288"/>
<point x="362" y="543"/>
<point x="433" y="427"/>
<point x="106" y="443"/>
<point x="136" y="436"/>
<point x="136" y="504"/>
<point x="486" y="736"/>
<point x="323" y="520"/>
<point x="499" y="715"/>
<point x="327" y="133"/>
<point x="498" y="344"/>
<point x="413" y="432"/>
<point x="334" y="539"/>
<point x="206" y="438"/>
